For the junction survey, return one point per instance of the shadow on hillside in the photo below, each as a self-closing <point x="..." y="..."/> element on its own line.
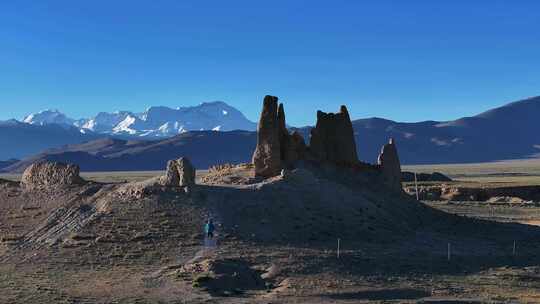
<point x="477" y="245"/>
<point x="418" y="264"/>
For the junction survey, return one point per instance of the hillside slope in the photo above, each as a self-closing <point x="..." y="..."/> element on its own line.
<point x="205" y="148"/>
<point x="95" y="243"/>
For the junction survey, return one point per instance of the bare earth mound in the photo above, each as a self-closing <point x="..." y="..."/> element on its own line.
<point x="276" y="242"/>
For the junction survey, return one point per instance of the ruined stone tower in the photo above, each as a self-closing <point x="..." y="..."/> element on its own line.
<point x="276" y="148"/>
<point x="266" y="158"/>
<point x="332" y="139"/>
<point x="390" y="165"/>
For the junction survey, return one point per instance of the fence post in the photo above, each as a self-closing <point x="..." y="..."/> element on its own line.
<point x="514" y="249"/>
<point x="449" y="253"/>
<point x="416" y="186"/>
<point x="338" y="245"/>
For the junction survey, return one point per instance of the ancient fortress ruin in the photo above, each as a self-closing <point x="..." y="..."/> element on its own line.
<point x="331" y="142"/>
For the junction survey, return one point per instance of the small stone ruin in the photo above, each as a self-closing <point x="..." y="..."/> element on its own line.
<point x="179" y="173"/>
<point x="390" y="166"/>
<point x="50" y="175"/>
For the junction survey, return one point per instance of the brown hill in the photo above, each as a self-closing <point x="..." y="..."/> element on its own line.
<point x="276" y="238"/>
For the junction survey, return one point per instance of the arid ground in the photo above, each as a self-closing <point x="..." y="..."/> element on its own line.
<point x="523" y="172"/>
<point x="277" y="242"/>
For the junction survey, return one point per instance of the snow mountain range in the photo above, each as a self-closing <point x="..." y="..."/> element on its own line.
<point x="155" y="122"/>
<point x="145" y="141"/>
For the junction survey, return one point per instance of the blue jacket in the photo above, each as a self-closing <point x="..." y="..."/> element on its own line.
<point x="209" y="227"/>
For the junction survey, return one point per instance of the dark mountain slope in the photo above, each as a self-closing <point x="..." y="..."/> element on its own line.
<point x="508" y="132"/>
<point x="8" y="163"/>
<point x="204" y="148"/>
<point x="21" y="139"/>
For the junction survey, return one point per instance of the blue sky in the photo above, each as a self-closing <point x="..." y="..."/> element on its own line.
<point x="402" y="60"/>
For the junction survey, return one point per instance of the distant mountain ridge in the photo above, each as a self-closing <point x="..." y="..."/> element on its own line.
<point x="508" y="132"/>
<point x="7" y="163"/>
<point x="155" y="122"/>
<point x="205" y="148"/>
<point x="18" y="139"/>
<point x="48" y="117"/>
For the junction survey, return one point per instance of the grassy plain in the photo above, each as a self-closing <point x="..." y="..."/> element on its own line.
<point x="493" y="174"/>
<point x="515" y="172"/>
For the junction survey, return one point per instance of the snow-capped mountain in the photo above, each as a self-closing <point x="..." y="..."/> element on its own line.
<point x="48" y="117"/>
<point x="104" y="122"/>
<point x="164" y="121"/>
<point x="154" y="122"/>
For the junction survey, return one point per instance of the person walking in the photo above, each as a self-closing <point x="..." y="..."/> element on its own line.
<point x="209" y="229"/>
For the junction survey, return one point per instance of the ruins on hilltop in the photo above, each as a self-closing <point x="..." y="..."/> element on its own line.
<point x="50" y="175"/>
<point x="179" y="173"/>
<point x="276" y="148"/>
<point x="331" y="141"/>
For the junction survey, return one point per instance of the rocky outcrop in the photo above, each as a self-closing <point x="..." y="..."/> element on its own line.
<point x="390" y="166"/>
<point x="332" y="139"/>
<point x="50" y="175"/>
<point x="180" y="173"/>
<point x="267" y="155"/>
